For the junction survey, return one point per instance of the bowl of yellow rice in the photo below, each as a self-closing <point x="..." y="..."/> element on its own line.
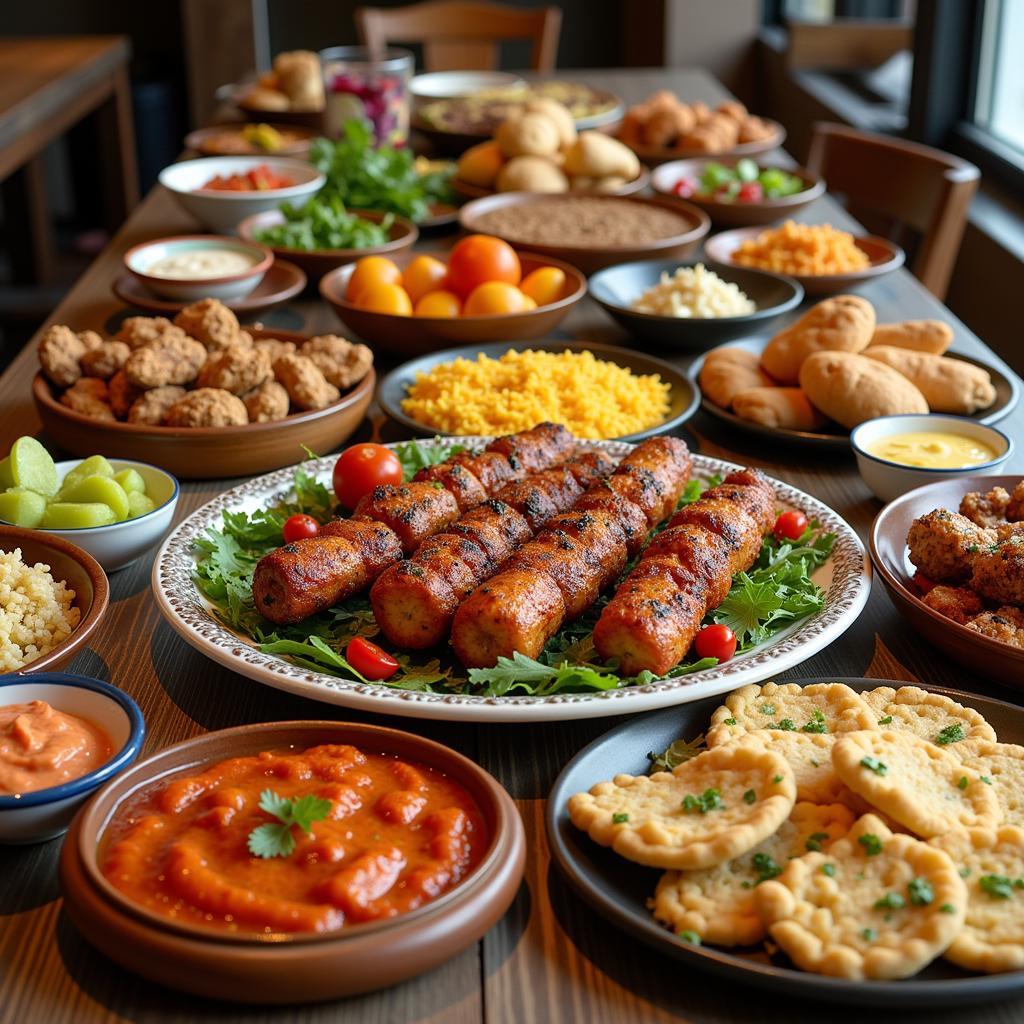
<point x="600" y="392"/>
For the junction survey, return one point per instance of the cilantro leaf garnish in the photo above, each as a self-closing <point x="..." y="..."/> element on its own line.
<point x="868" y="934"/>
<point x="277" y="839"/>
<point x="785" y="724"/>
<point x="890" y="901"/>
<point x="814" y="842"/>
<point x="951" y="734"/>
<point x="962" y="784"/>
<point x="414" y="456"/>
<point x="920" y="892"/>
<point x="620" y="818"/>
<point x="828" y="869"/>
<point x="999" y="887"/>
<point x="871" y="843"/>
<point x="816" y="724"/>
<point x="885" y="721"/>
<point x="765" y="867"/>
<point x="874" y="765"/>
<point x="709" y="800"/>
<point x="749" y="797"/>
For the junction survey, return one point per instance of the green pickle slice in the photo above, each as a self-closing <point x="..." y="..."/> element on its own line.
<point x="21" y="507"/>
<point x="139" y="505"/>
<point x="77" y="515"/>
<point x="32" y="468"/>
<point x="101" y="489"/>
<point x="131" y="481"/>
<point x="95" y="465"/>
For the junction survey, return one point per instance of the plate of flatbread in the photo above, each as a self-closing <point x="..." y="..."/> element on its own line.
<point x="852" y="840"/>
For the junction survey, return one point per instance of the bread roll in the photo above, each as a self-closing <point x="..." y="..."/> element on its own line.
<point x="597" y="155"/>
<point x="528" y="135"/>
<point x="851" y="388"/>
<point x="300" y="77"/>
<point x="920" y="335"/>
<point x="842" y="324"/>
<point x="788" y="408"/>
<point x="260" y="98"/>
<point x="531" y="174"/>
<point x="728" y="371"/>
<point x="948" y="385"/>
<point x="559" y="113"/>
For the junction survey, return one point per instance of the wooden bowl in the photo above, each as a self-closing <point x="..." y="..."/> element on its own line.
<point x="885" y="257"/>
<point x="590" y="260"/>
<point x="318" y="262"/>
<point x="737" y="215"/>
<point x="79" y="570"/>
<point x="654" y="155"/>
<point x="888" y="543"/>
<point x="292" y="968"/>
<point x="204" y="453"/>
<point x="416" y="335"/>
<point x="638" y="184"/>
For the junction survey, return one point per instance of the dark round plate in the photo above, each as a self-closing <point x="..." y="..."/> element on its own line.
<point x="618" y="890"/>
<point x="1007" y="396"/>
<point x="683" y="397"/>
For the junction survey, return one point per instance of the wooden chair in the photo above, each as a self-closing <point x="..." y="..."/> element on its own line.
<point x="912" y="194"/>
<point x="462" y="36"/>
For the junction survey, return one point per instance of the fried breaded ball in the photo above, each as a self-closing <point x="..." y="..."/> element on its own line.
<point x="137" y="331"/>
<point x="1015" y="506"/>
<point x="207" y="407"/>
<point x="123" y="394"/>
<point x="171" y="360"/>
<point x="89" y="396"/>
<point x="306" y="385"/>
<point x="1005" y="625"/>
<point x="237" y="369"/>
<point x="105" y="360"/>
<point x="60" y="350"/>
<point x="956" y="603"/>
<point x="999" y="570"/>
<point x="342" y="362"/>
<point x="986" y="509"/>
<point x="275" y="348"/>
<point x="152" y="405"/>
<point x="267" y="403"/>
<point x="944" y="544"/>
<point x="210" y="322"/>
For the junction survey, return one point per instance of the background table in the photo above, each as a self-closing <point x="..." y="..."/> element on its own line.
<point x="550" y="958"/>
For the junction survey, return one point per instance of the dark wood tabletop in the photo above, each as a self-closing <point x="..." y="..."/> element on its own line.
<point x="551" y="958"/>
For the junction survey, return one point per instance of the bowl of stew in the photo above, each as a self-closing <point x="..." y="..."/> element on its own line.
<point x="293" y="862"/>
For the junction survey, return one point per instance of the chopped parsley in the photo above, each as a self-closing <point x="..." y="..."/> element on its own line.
<point x="777" y="779"/>
<point x="890" y="901"/>
<point x="962" y="784"/>
<point x="885" y="721"/>
<point x="709" y="800"/>
<point x="999" y="887"/>
<point x="749" y="797"/>
<point x="816" y="723"/>
<point x="814" y="842"/>
<point x="920" y="892"/>
<point x="951" y="734"/>
<point x="814" y="761"/>
<point x="868" y="935"/>
<point x="828" y="869"/>
<point x="947" y="908"/>
<point x="874" y="765"/>
<point x="276" y="839"/>
<point x="765" y="867"/>
<point x="985" y="779"/>
<point x="786" y="725"/>
<point x="730" y="721"/>
<point x="620" y="818"/>
<point x="871" y="843"/>
<point x="965" y="872"/>
<point x="691" y="937"/>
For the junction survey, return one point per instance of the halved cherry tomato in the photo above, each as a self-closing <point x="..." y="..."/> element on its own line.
<point x="716" y="641"/>
<point x="790" y="525"/>
<point x="361" y="468"/>
<point x="298" y="527"/>
<point x="370" y="660"/>
<point x="479" y="259"/>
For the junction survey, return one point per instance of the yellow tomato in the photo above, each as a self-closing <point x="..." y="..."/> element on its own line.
<point x="371" y="270"/>
<point x="439" y="303"/>
<point x="544" y="285"/>
<point x="528" y="303"/>
<point x="493" y="298"/>
<point x="424" y="274"/>
<point x="384" y="297"/>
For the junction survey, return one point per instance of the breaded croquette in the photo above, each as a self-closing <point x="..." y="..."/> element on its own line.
<point x="1005" y="625"/>
<point x="137" y="331"/>
<point x="152" y="405"/>
<point x="305" y="384"/>
<point x="212" y="323"/>
<point x="60" y="350"/>
<point x="89" y="396"/>
<point x="207" y="407"/>
<point x="174" y="359"/>
<point x="105" y="360"/>
<point x="236" y="369"/>
<point x="267" y="403"/>
<point x="956" y="603"/>
<point x="342" y="362"/>
<point x="943" y="544"/>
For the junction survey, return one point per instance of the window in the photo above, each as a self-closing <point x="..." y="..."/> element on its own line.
<point x="999" y="89"/>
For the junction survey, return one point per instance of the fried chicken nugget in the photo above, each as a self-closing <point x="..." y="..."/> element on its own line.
<point x="152" y="405"/>
<point x="212" y="323"/>
<point x="275" y="348"/>
<point x="174" y="359"/>
<point x="988" y="509"/>
<point x="207" y="407"/>
<point x="267" y="403"/>
<point x="1015" y="506"/>
<point x="237" y="369"/>
<point x="944" y="545"/>
<point x="999" y="569"/>
<point x="306" y="385"/>
<point x="89" y="396"/>
<point x="1005" y="625"/>
<point x="137" y="331"/>
<point x="105" y="360"/>
<point x="123" y="394"/>
<point x="342" y="362"/>
<point x="60" y="350"/>
<point x="956" y="603"/>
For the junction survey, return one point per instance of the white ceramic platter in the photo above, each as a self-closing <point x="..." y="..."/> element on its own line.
<point x="845" y="578"/>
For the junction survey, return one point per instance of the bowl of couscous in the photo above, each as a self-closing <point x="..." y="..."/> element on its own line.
<point x="52" y="597"/>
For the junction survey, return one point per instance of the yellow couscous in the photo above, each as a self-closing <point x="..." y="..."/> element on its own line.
<point x="594" y="398"/>
<point x="803" y="249"/>
<point x="36" y="611"/>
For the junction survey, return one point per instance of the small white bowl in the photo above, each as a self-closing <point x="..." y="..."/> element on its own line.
<point x="221" y="211"/>
<point x="889" y="480"/>
<point x="140" y="258"/>
<point x="45" y="813"/>
<point x="444" y="85"/>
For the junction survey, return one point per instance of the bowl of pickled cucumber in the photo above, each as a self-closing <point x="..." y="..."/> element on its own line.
<point x="114" y="509"/>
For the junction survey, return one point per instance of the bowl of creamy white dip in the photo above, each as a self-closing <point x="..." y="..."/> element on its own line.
<point x="190" y="267"/>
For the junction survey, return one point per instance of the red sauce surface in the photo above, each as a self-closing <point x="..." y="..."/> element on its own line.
<point x="259" y="179"/>
<point x="397" y="836"/>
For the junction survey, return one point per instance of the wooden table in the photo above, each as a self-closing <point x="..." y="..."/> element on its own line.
<point x="551" y="958"/>
<point x="47" y="85"/>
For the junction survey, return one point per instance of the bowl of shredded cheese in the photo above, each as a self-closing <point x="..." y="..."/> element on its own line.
<point x="599" y="392"/>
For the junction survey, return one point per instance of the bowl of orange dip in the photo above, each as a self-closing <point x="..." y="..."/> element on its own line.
<point x="61" y="737"/>
<point x="293" y="862"/>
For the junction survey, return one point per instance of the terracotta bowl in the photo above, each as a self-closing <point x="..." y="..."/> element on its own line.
<point x="888" y="543"/>
<point x="638" y="184"/>
<point x="204" y="453"/>
<point x="590" y="260"/>
<point x="416" y="335"/>
<point x="653" y="155"/>
<point x="885" y="257"/>
<point x="292" y="968"/>
<point x="79" y="570"/>
<point x="318" y="262"/>
<point x="735" y="215"/>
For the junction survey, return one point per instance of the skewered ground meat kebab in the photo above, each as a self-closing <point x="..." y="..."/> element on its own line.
<point x="684" y="572"/>
<point x="309" y="575"/>
<point x="560" y="573"/>
<point x="415" y="600"/>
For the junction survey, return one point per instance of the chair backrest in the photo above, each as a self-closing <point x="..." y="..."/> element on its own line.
<point x="905" y="184"/>
<point x="462" y="36"/>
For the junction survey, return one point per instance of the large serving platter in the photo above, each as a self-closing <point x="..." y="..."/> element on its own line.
<point x="845" y="578"/>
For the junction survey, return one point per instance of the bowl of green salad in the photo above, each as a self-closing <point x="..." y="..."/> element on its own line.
<point x="738" y="192"/>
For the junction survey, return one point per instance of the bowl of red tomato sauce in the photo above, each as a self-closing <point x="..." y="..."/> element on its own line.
<point x="293" y="862"/>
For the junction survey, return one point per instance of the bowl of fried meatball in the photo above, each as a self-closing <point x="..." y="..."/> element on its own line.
<point x="201" y="396"/>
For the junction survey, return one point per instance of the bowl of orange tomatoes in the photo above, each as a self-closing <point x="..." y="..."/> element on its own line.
<point x="482" y="290"/>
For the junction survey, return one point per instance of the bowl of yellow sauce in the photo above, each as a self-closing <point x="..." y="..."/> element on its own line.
<point x="895" y="454"/>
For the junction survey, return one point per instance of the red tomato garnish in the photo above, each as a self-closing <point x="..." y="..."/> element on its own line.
<point x="751" y="192"/>
<point x="298" y="527"/>
<point x="259" y="179"/>
<point x="716" y="641"/>
<point x="790" y="525"/>
<point x="924" y="584"/>
<point x="685" y="187"/>
<point x="370" y="660"/>
<point x="361" y="468"/>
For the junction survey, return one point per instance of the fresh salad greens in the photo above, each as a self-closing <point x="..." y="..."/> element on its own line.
<point x="322" y="222"/>
<point x="743" y="183"/>
<point x="776" y="591"/>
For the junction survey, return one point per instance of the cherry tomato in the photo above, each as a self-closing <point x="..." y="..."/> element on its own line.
<point x="479" y="259"/>
<point x="494" y="298"/>
<point x="385" y="298"/>
<point x="299" y="526"/>
<point x="361" y="468"/>
<point x="439" y="303"/>
<point x="716" y="641"/>
<point x="751" y="192"/>
<point x="371" y="270"/>
<point x="423" y="274"/>
<point x="544" y="285"/>
<point x="790" y="525"/>
<point x="685" y="187"/>
<point x="370" y="660"/>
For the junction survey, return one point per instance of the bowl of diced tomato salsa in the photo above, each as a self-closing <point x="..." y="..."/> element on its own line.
<point x="222" y="191"/>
